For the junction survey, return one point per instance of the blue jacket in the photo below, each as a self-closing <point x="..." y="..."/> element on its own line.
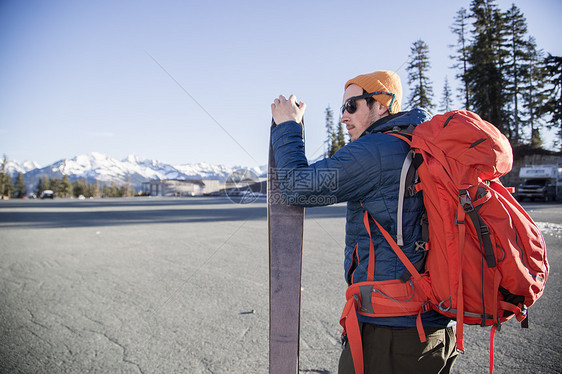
<point x="365" y="171"/>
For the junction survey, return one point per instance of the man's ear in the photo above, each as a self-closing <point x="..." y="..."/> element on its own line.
<point x="381" y="109"/>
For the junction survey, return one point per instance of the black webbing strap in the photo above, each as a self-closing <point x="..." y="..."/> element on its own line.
<point x="419" y="267"/>
<point x="482" y="230"/>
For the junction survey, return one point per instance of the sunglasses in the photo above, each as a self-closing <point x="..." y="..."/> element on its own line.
<point x="351" y="106"/>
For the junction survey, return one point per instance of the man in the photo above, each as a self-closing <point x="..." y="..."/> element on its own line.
<point x="367" y="176"/>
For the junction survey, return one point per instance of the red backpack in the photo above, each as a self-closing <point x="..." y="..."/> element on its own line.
<point x="486" y="258"/>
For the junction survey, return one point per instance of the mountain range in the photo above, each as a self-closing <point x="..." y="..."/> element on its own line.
<point x="106" y="170"/>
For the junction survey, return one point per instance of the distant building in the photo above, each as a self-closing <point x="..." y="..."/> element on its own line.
<point x="176" y="187"/>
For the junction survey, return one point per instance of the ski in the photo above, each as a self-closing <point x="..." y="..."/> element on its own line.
<point x="285" y="230"/>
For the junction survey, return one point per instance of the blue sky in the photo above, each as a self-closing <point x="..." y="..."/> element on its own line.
<point x="192" y="81"/>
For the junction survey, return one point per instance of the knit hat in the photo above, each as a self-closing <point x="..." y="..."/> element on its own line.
<point x="383" y="80"/>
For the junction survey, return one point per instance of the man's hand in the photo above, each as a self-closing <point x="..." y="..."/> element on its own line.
<point x="284" y="110"/>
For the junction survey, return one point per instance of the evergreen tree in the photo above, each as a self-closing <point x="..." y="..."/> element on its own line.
<point x="114" y="190"/>
<point x="46" y="184"/>
<point x="40" y="186"/>
<point x="6" y="186"/>
<point x="517" y="69"/>
<point x="330" y="133"/>
<point x="553" y="106"/>
<point x="20" y="189"/>
<point x="128" y="191"/>
<point x="485" y="73"/>
<point x="446" y="103"/>
<point x="54" y="185"/>
<point x="79" y="187"/>
<point x="65" y="188"/>
<point x="335" y="137"/>
<point x="418" y="67"/>
<point x="534" y="95"/>
<point x="3" y="175"/>
<point x="460" y="28"/>
<point x="94" y="190"/>
<point x="340" y="136"/>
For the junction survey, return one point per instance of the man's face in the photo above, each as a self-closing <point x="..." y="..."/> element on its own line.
<point x="357" y="122"/>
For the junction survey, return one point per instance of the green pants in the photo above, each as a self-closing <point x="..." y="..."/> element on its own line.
<point x="392" y="350"/>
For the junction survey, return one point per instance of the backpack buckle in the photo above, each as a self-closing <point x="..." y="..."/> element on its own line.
<point x="465" y="201"/>
<point x="420" y="246"/>
<point x="426" y="307"/>
<point x="457" y="222"/>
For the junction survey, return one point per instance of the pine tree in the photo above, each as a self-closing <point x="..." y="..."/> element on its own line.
<point x="517" y="69"/>
<point x="553" y="106"/>
<point x="128" y="189"/>
<point x="39" y="187"/>
<point x="79" y="187"/>
<point x="418" y="67"/>
<point x="46" y="184"/>
<point x="460" y="28"/>
<point x="114" y="190"/>
<point x="95" y="189"/>
<point x="534" y="95"/>
<point x="54" y="185"/>
<point x="485" y="73"/>
<point x="20" y="189"/>
<point x="6" y="186"/>
<point x="446" y="103"/>
<point x="330" y="133"/>
<point x="340" y="136"/>
<point x="3" y="175"/>
<point x="65" y="188"/>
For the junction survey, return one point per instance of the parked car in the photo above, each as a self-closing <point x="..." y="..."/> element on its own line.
<point x="47" y="194"/>
<point x="540" y="182"/>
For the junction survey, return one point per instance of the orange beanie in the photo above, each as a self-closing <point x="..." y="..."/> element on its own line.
<point x="382" y="80"/>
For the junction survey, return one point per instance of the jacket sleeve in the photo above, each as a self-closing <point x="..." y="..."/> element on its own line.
<point x="348" y="175"/>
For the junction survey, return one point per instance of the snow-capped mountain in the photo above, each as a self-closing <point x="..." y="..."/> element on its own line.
<point x="107" y="170"/>
<point x="14" y="167"/>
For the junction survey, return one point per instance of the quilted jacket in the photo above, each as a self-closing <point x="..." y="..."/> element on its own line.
<point x="365" y="174"/>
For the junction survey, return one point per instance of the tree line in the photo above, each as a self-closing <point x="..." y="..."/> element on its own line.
<point x="81" y="187"/>
<point x="502" y="74"/>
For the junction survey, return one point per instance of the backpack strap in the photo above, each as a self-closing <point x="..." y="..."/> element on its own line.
<point x="407" y="176"/>
<point x="460" y="300"/>
<point x="401" y="193"/>
<point x="352" y="331"/>
<point x="482" y="230"/>
<point x="398" y="251"/>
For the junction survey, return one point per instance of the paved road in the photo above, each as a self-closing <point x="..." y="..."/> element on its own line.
<point x="180" y="286"/>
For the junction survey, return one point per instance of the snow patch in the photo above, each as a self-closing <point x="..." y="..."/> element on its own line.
<point x="552" y="229"/>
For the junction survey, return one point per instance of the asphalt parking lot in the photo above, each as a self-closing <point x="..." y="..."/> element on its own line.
<point x="180" y="286"/>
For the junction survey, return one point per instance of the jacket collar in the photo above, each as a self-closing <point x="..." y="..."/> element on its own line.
<point x="402" y="119"/>
<point x="381" y="122"/>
